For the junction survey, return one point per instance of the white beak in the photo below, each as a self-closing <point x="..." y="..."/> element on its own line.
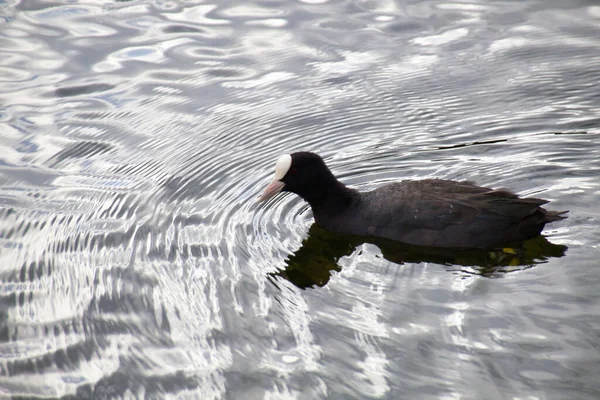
<point x="281" y="168"/>
<point x="271" y="190"/>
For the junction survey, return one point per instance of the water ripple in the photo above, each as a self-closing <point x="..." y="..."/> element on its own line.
<point x="137" y="136"/>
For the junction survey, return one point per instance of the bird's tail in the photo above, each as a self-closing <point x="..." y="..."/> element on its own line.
<point x="550" y="216"/>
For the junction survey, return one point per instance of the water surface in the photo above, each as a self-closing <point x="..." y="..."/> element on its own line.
<point x="136" y="136"/>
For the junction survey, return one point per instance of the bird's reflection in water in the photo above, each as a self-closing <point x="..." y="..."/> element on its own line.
<point x="312" y="264"/>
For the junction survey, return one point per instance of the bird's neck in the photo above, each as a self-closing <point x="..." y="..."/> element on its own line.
<point x="332" y="199"/>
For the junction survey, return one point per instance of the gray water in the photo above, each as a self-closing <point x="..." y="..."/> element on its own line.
<point x="135" y="138"/>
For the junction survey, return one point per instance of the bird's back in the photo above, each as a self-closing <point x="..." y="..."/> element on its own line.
<point x="444" y="213"/>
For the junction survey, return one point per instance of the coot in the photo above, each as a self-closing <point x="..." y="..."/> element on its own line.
<point x="431" y="212"/>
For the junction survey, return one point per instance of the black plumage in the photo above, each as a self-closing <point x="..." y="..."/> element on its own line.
<point x="431" y="212"/>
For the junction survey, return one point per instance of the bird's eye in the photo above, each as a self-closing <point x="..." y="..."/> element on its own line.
<point x="293" y="170"/>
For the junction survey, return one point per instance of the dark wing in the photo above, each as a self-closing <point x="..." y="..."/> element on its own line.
<point x="454" y="214"/>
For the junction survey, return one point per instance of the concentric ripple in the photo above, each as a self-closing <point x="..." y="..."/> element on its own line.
<point x="136" y="137"/>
